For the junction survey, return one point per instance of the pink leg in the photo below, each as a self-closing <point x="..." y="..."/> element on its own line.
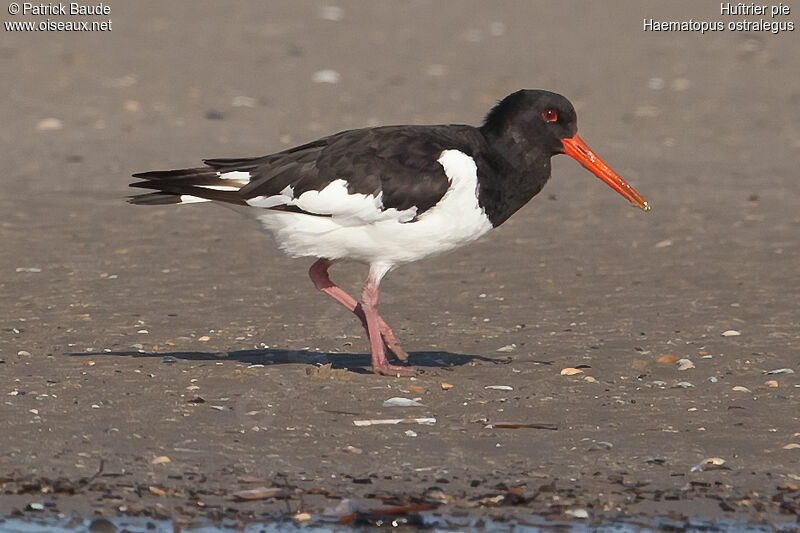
<point x="319" y="275"/>
<point x="369" y="299"/>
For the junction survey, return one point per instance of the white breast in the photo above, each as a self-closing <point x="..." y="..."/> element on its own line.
<point x="360" y="229"/>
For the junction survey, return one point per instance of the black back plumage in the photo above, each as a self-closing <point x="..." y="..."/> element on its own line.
<point x="398" y="162"/>
<point x="512" y="151"/>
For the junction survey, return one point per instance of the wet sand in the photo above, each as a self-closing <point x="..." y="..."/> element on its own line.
<point x="158" y="361"/>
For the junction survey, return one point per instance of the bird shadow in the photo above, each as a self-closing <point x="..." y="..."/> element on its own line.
<point x="357" y="363"/>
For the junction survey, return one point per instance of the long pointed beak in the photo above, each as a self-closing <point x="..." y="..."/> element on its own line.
<point x="577" y="149"/>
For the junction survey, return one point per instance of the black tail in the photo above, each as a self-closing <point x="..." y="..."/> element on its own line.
<point x="187" y="186"/>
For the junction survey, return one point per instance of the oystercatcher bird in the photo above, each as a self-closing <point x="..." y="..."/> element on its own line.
<point x="391" y="195"/>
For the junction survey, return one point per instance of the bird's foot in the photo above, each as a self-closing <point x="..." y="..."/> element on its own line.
<point x="396" y="350"/>
<point x="393" y="370"/>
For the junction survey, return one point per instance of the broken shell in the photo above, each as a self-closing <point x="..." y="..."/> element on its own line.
<point x="401" y="402"/>
<point x="771" y="383"/>
<point x="499" y="387"/>
<point x="160" y="460"/>
<point x="569" y="371"/>
<point x="446" y="386"/>
<point x="739" y="388"/>
<point x="792" y="446"/>
<point x="685" y="364"/>
<point x="731" y="333"/>
<point x="261" y="493"/>
<point x="710" y="463"/>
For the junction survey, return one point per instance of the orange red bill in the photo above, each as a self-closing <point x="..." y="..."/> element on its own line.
<point x="578" y="150"/>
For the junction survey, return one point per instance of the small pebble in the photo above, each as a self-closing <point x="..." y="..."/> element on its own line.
<point x="332" y="13"/>
<point x="326" y="76"/>
<point x="49" y="124"/>
<point x="352" y="450"/>
<point x="436" y="70"/>
<point x="243" y="101"/>
<point x="679" y="84"/>
<point x="497" y="29"/>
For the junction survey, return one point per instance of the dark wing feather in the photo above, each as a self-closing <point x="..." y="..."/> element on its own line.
<point x="401" y="162"/>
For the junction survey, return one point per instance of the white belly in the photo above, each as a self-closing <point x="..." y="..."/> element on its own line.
<point x="455" y="221"/>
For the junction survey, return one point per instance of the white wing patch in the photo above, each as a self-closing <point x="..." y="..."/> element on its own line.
<point x="237" y="176"/>
<point x="188" y="199"/>
<point x="284" y="198"/>
<point x="220" y="187"/>
<point x="335" y="201"/>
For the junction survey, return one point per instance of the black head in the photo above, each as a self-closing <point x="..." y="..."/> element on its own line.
<point x="533" y="119"/>
<point x="532" y="125"/>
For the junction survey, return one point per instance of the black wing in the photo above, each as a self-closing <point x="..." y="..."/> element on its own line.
<point x="398" y="162"/>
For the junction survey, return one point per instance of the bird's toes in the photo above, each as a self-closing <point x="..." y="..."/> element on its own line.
<point x="397" y="351"/>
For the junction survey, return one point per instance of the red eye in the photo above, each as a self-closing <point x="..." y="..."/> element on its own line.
<point x="550" y="115"/>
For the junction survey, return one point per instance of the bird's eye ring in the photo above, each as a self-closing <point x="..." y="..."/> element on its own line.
<point x="550" y="115"/>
